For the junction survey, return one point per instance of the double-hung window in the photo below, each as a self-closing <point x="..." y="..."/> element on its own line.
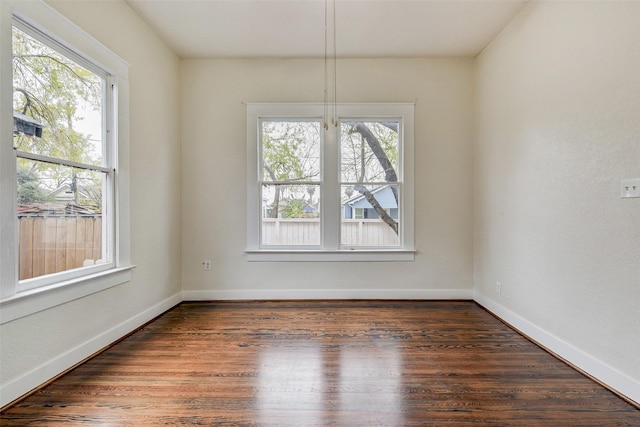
<point x="62" y="159"/>
<point x="336" y="192"/>
<point x="62" y="107"/>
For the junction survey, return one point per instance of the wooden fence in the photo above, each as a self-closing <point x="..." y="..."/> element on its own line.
<point x="367" y="232"/>
<point x="53" y="244"/>
<point x="306" y="231"/>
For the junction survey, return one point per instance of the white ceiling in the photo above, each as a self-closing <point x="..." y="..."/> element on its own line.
<point x="295" y="28"/>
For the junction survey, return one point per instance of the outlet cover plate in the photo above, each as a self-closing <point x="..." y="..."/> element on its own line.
<point x="630" y="188"/>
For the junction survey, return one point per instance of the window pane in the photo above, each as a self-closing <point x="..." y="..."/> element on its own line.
<point x="59" y="218"/>
<point x="369" y="151"/>
<point x="290" y="150"/>
<point x="57" y="103"/>
<point x="369" y="215"/>
<point x="290" y="215"/>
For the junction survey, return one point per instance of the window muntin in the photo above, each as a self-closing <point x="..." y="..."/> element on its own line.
<point x="64" y="170"/>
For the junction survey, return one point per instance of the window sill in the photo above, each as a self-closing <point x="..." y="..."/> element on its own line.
<point x="32" y="301"/>
<point x="363" y="255"/>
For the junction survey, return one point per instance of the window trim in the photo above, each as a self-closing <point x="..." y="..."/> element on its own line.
<point x="14" y="303"/>
<point x="330" y="249"/>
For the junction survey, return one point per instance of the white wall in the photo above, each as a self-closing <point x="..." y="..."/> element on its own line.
<point x="556" y="105"/>
<point x="39" y="346"/>
<point x="558" y="127"/>
<point x="214" y="171"/>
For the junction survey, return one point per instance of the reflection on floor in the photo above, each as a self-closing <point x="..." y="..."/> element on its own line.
<point x="320" y="363"/>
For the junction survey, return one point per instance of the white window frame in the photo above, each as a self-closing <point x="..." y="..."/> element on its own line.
<point x="330" y="248"/>
<point x="22" y="298"/>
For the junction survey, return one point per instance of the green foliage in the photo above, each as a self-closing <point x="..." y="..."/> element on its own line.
<point x="57" y="92"/>
<point x="52" y="89"/>
<point x="291" y="150"/>
<point x="29" y="189"/>
<point x="294" y="209"/>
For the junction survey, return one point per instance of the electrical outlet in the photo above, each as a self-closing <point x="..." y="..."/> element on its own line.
<point x="206" y="265"/>
<point x="498" y="287"/>
<point x="630" y="188"/>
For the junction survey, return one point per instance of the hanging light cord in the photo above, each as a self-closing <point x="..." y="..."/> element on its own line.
<point x="326" y="67"/>
<point x="335" y="68"/>
<point x="334" y="115"/>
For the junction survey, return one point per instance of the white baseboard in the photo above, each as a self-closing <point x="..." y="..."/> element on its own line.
<point x="328" y="294"/>
<point x="43" y="373"/>
<point x="614" y="379"/>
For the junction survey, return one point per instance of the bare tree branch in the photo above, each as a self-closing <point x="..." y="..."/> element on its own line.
<point x="389" y="172"/>
<point x="63" y="64"/>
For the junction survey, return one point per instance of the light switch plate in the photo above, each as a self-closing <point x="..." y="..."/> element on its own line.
<point x="630" y="188"/>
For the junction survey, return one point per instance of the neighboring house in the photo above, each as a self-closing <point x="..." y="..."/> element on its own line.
<point x="310" y="209"/>
<point x="63" y="193"/>
<point x="358" y="207"/>
<point x="26" y="125"/>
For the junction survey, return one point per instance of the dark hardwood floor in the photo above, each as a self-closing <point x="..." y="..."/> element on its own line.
<point x="323" y="363"/>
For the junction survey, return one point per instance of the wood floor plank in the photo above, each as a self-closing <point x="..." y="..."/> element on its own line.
<point x="324" y="363"/>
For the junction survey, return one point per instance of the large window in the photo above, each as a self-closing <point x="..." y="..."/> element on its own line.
<point x="330" y="192"/>
<point x="64" y="165"/>
<point x="64" y="206"/>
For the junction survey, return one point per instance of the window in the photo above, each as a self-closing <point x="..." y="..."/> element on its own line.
<point x="66" y="159"/>
<point x="337" y="192"/>
<point x="64" y="165"/>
